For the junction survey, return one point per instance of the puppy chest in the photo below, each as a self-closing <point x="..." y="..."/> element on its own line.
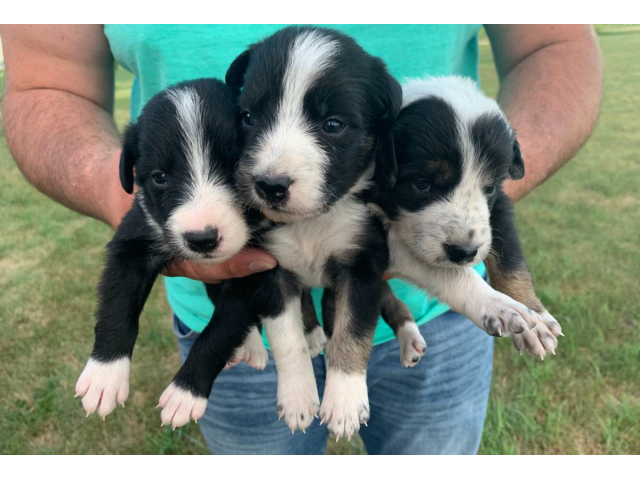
<point x="305" y="247"/>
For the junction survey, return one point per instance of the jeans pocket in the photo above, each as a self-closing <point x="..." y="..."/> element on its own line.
<point x="181" y="331"/>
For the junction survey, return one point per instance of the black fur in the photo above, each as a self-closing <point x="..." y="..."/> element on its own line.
<point x="426" y="148"/>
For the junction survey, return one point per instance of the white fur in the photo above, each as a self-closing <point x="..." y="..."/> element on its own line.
<point x="179" y="406"/>
<point x="297" y="399"/>
<point x="103" y="385"/>
<point x="345" y="403"/>
<point x="412" y="344"/>
<point x="155" y="226"/>
<point x="290" y="147"/>
<point x="316" y="340"/>
<point x="252" y="351"/>
<point x="462" y="93"/>
<point x="208" y="202"/>
<point x="541" y="339"/>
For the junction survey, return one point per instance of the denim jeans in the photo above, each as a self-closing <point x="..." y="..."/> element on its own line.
<point x="436" y="407"/>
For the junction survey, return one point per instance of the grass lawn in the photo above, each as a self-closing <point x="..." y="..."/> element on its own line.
<point x="580" y="232"/>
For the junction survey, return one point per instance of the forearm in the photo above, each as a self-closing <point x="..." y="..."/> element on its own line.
<point x="67" y="147"/>
<point x="552" y="99"/>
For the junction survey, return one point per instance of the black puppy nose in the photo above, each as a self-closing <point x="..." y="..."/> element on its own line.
<point x="460" y="253"/>
<point x="204" y="241"/>
<point x="272" y="188"/>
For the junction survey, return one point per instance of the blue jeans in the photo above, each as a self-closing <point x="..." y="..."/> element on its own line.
<point x="437" y="407"/>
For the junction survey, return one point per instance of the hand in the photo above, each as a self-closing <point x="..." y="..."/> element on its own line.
<point x="244" y="263"/>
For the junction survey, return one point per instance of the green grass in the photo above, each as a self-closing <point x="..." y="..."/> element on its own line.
<point x="580" y="232"/>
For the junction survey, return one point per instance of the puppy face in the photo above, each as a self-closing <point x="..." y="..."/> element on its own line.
<point x="184" y="149"/>
<point x="312" y="111"/>
<point x="454" y="149"/>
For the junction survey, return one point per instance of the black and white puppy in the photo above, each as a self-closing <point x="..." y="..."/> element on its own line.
<point x="445" y="210"/>
<point x="184" y="150"/>
<point x="316" y="109"/>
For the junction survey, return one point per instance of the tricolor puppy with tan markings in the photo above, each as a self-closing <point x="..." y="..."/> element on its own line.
<point x="445" y="210"/>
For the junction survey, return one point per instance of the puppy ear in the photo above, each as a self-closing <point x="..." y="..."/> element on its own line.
<point x="389" y="93"/>
<point x="235" y="74"/>
<point x="516" y="171"/>
<point x="128" y="157"/>
<point x="389" y="96"/>
<point x="386" y="172"/>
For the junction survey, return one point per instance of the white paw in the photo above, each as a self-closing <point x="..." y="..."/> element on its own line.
<point x="540" y="339"/>
<point x="316" y="340"/>
<point x="502" y="316"/>
<point x="252" y="351"/>
<point x="179" y="406"/>
<point x="345" y="404"/>
<point x="412" y="344"/>
<point x="103" y="385"/>
<point x="298" y="401"/>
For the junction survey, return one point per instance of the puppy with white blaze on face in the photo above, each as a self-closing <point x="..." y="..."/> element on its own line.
<point x="184" y="150"/>
<point x="316" y="113"/>
<point x="445" y="210"/>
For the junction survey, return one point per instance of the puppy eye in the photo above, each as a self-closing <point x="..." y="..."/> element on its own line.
<point x="159" y="178"/>
<point x="333" y="126"/>
<point x="422" y="185"/>
<point x="490" y="190"/>
<point x="248" y="119"/>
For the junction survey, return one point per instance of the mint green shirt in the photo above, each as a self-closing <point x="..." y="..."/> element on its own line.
<point x="161" y="55"/>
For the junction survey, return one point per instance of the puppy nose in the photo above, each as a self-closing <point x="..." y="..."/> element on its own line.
<point x="204" y="241"/>
<point x="272" y="188"/>
<point x="460" y="253"/>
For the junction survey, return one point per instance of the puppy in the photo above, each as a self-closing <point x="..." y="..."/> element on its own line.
<point x="184" y="150"/>
<point x="316" y="113"/>
<point x="445" y="210"/>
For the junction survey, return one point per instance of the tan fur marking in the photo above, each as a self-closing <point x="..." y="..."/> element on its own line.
<point x="345" y="351"/>
<point x="517" y="284"/>
<point x="394" y="311"/>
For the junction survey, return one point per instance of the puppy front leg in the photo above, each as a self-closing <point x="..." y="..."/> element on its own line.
<point x="186" y="397"/>
<point x="345" y="403"/>
<point x="124" y="287"/>
<point x="509" y="274"/>
<point x="467" y="293"/>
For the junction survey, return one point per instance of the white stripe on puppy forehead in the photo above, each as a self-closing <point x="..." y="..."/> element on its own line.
<point x="190" y="118"/>
<point x="310" y="55"/>
<point x="208" y="200"/>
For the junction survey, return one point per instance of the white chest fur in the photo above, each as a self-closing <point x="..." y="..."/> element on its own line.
<point x="304" y="247"/>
